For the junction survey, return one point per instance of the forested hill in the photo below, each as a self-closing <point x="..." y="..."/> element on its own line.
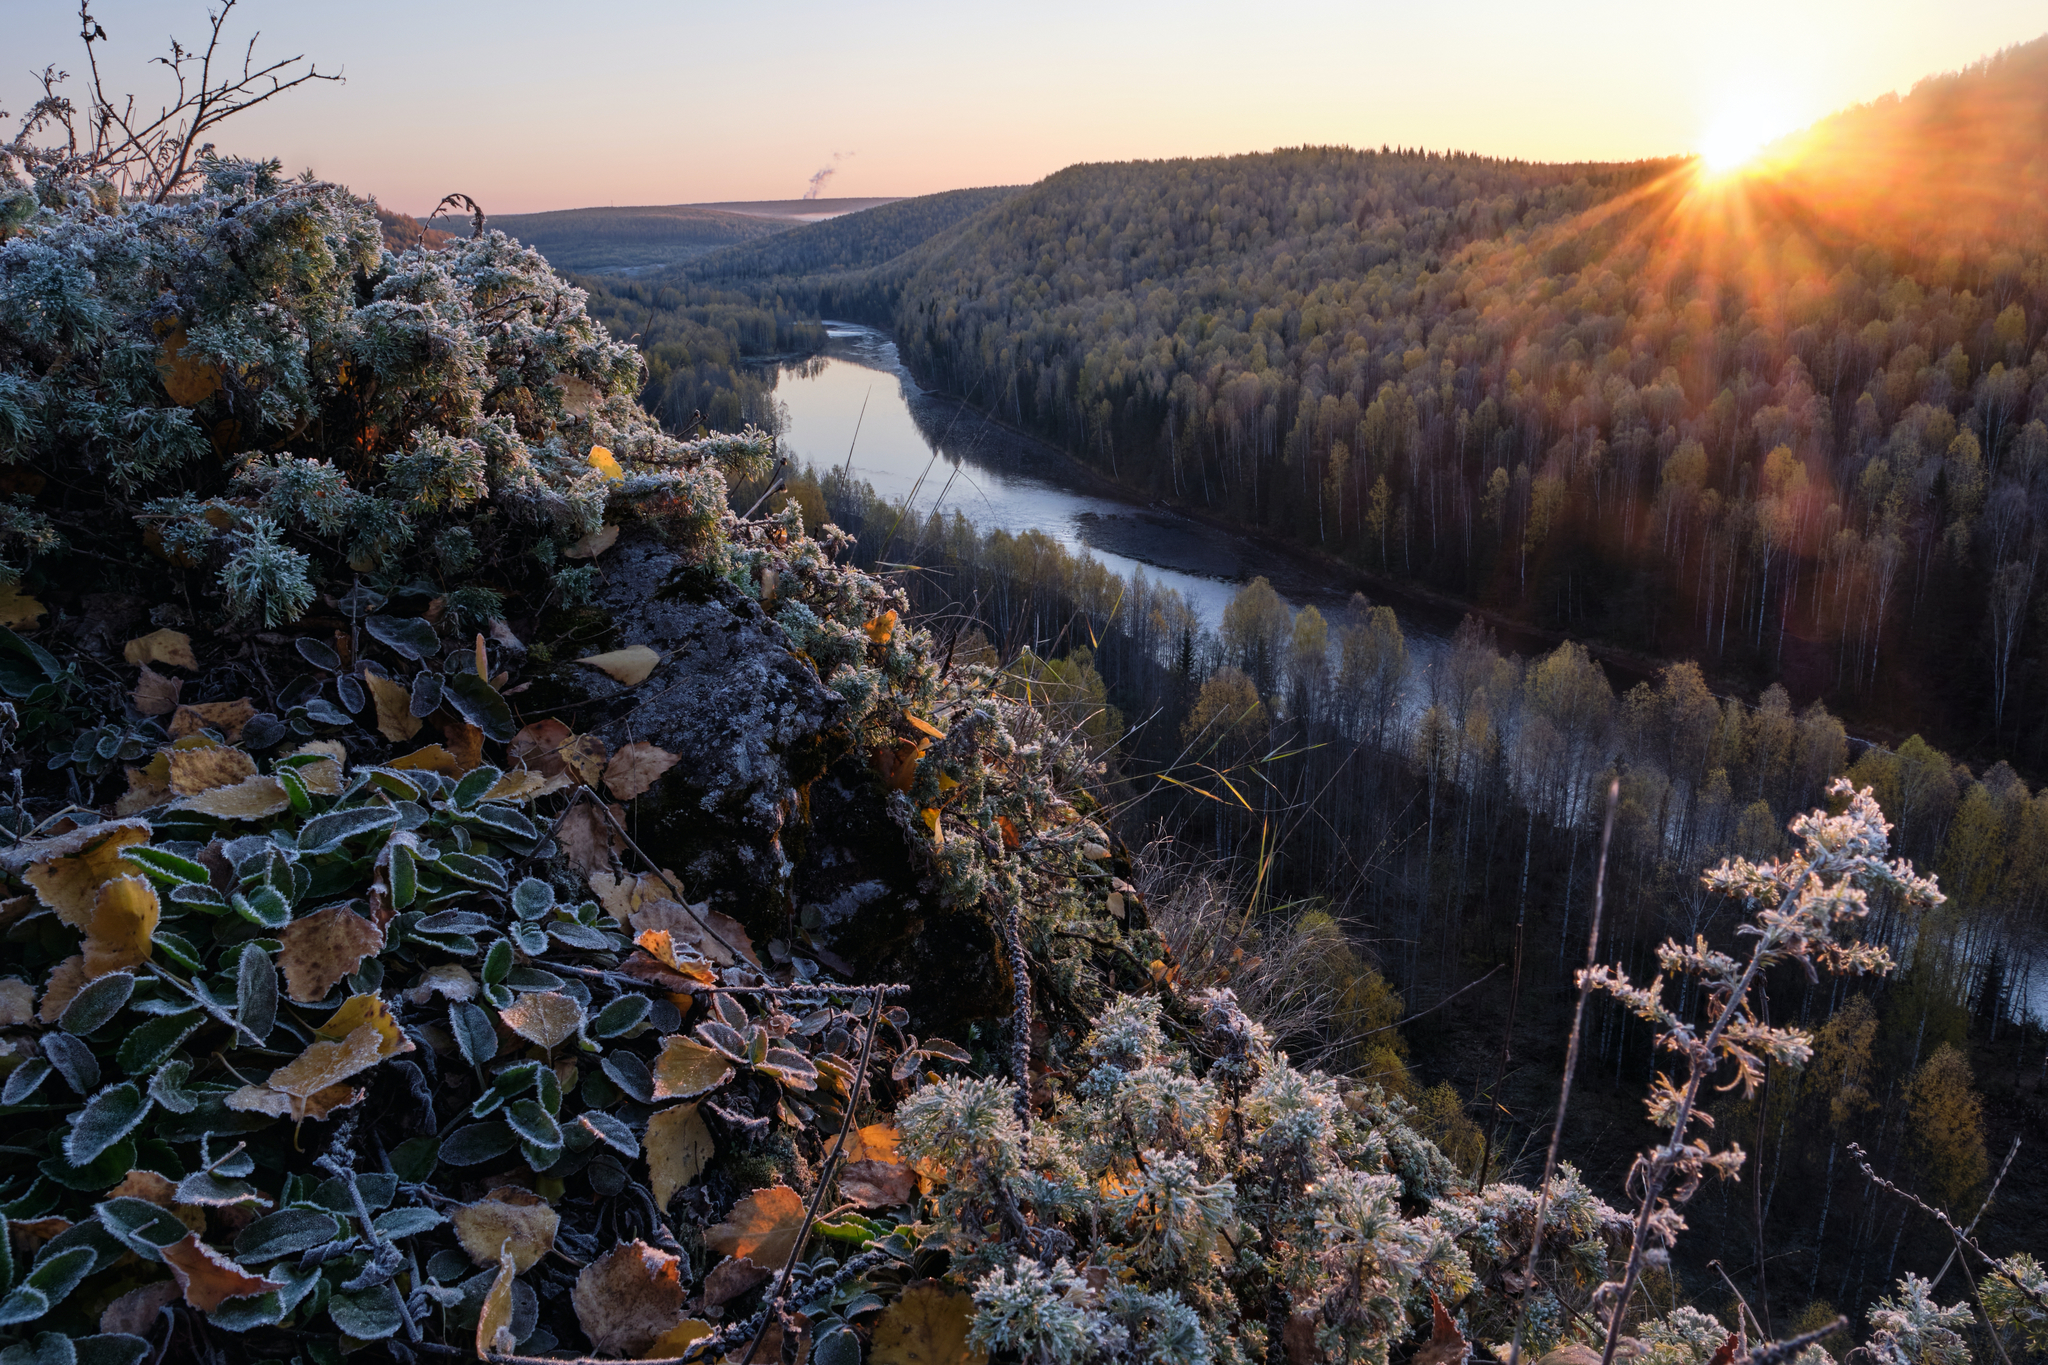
<point x="854" y="241"/>
<point x="1717" y="417"/>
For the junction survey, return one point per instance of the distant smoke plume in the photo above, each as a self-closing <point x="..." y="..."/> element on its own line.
<point x="825" y="173"/>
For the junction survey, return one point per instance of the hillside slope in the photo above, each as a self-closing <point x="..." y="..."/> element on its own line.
<point x="855" y="241"/>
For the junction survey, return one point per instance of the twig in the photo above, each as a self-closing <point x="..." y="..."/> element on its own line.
<point x="668" y="881"/>
<point x="1962" y="1238"/>
<point x="1771" y="1352"/>
<point x="1571" y="1065"/>
<point x="1478" y="981"/>
<point x="220" y="1015"/>
<point x="1992" y="1194"/>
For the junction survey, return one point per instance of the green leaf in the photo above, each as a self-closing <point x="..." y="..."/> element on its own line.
<point x="474" y="1035"/>
<point x="410" y="636"/>
<point x="325" y="833"/>
<point x="534" y="1123"/>
<point x="487" y="873"/>
<point x="477" y="1143"/>
<point x="473" y="785"/>
<point x="477" y="702"/>
<point x="24" y="1081"/>
<point x="25" y="1304"/>
<point x="613" y="1133"/>
<point x="108" y="1116"/>
<point x="503" y="819"/>
<point x="100" y="1175"/>
<point x="48" y="1285"/>
<point x="141" y="1226"/>
<point x="532" y="898"/>
<point x="413" y="1159"/>
<point x="368" y="1314"/>
<point x="532" y="940"/>
<point x="165" y="869"/>
<point x="167" y="1084"/>
<point x="838" y="1346"/>
<point x="265" y="906"/>
<point x="621" y="1016"/>
<point x="145" y="1049"/>
<point x="497" y="963"/>
<point x="74" y="1062"/>
<point x="176" y="949"/>
<point x="397" y="1223"/>
<point x="96" y="1002"/>
<point x="295" y="790"/>
<point x="286" y="1232"/>
<point x="256" y="991"/>
<point x="405" y="873"/>
<point x="110" y="1348"/>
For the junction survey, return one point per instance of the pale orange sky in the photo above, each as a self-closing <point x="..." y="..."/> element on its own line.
<point x="531" y="106"/>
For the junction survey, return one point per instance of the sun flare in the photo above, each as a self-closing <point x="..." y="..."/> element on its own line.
<point x="1735" y="137"/>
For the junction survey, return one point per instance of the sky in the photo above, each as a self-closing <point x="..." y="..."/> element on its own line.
<point x="527" y="106"/>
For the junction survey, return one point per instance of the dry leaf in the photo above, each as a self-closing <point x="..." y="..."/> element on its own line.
<point x="545" y="1018"/>
<point x="310" y="1080"/>
<point x="687" y="930"/>
<point x="686" y="1069"/>
<point x="323" y="947"/>
<point x="450" y="979"/>
<point x="209" y="1278"/>
<point x="494" y="1322"/>
<point x="605" y="463"/>
<point x="257" y="1099"/>
<point x="315" y="773"/>
<point x="877" y="1184"/>
<point x="154" y="694"/>
<point x="678" y="1145"/>
<point x="465" y="745"/>
<point x="123" y="924"/>
<point x="510" y="1220"/>
<point x="162" y="647"/>
<point x="252" y="798"/>
<point x="594" y="544"/>
<point x="584" y="757"/>
<point x="924" y="726"/>
<point x="731" y="1278"/>
<point x="17" y="1002"/>
<point x="630" y="665"/>
<point x="67" y="978"/>
<point x="684" y="969"/>
<point x="148" y="787"/>
<point x="926" y="1326"/>
<point x="197" y="770"/>
<point x="433" y="758"/>
<point x="1011" y="839"/>
<point x="676" y="1339"/>
<point x="161" y="1191"/>
<point x="1447" y="1345"/>
<point x="135" y="1312"/>
<point x="538" y="746"/>
<point x="521" y="784"/>
<point x="19" y="611"/>
<point x="622" y="895"/>
<point x="588" y="841"/>
<point x="395" y="720"/>
<point x="896" y="762"/>
<point x="1723" y="1356"/>
<point x="227" y="717"/>
<point x="881" y="627"/>
<point x="635" y="767"/>
<point x="71" y="884"/>
<point x="628" y="1297"/>
<point x="188" y="380"/>
<point x="875" y="1142"/>
<point x="762" y="1227"/>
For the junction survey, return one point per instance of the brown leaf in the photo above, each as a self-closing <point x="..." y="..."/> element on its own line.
<point x="310" y="1080"/>
<point x="258" y="1099"/>
<point x="732" y="1277"/>
<point x="687" y="930"/>
<point x="635" y="767"/>
<point x="762" y="1227"/>
<point x="621" y="895"/>
<point x="119" y="936"/>
<point x="148" y="787"/>
<point x="197" y="770"/>
<point x="324" y="778"/>
<point x="494" y="1322"/>
<point x="877" y="1184"/>
<point x="1727" y="1351"/>
<point x="67" y="978"/>
<point x="584" y="758"/>
<point x="189" y="380"/>
<point x="1447" y="1345"/>
<point x="252" y="798"/>
<point x="685" y="1069"/>
<point x="162" y="647"/>
<point x="926" y="1326"/>
<point x="1298" y="1340"/>
<point x="588" y="841"/>
<point x="70" y="884"/>
<point x="628" y="1297"/>
<point x="395" y="720"/>
<point x="433" y="758"/>
<point x="154" y="694"/>
<point x="678" y="1145"/>
<point x="160" y="1190"/>
<point x="227" y="717"/>
<point x="209" y="1278"/>
<point x="538" y="747"/>
<point x="17" y="1002"/>
<point x="322" y="948"/>
<point x="594" y="544"/>
<point x="545" y="1018"/>
<point x="875" y="1142"/>
<point x="465" y="745"/>
<point x="510" y="1220"/>
<point x="135" y="1312"/>
<point x="896" y="762"/>
<point x="630" y="665"/>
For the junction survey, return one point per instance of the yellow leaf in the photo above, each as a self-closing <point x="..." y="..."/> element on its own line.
<point x="66" y="979"/>
<point x="162" y="647"/>
<point x="228" y="717"/>
<point x="630" y="665"/>
<point x="926" y="1326"/>
<point x="483" y="659"/>
<point x="198" y="770"/>
<point x="546" y="1018"/>
<point x="70" y="884"/>
<point x="678" y="1147"/>
<point x="188" y="381"/>
<point x="635" y="767"/>
<point x="368" y="1009"/>
<point x="494" y="1322"/>
<point x="687" y="930"/>
<point x="605" y="463"/>
<point x="395" y="720"/>
<point x="947" y="782"/>
<point x="583" y="757"/>
<point x="250" y="799"/>
<point x="925" y="726"/>
<point x="323" y="947"/>
<point x="19" y="611"/>
<point x="762" y="1227"/>
<point x="623" y="893"/>
<point x="594" y="544"/>
<point x="508" y="1220"/>
<point x="875" y="1142"/>
<point x="686" y="1069"/>
<point x="324" y="778"/>
<point x="433" y="758"/>
<point x="930" y="815"/>
<point x="123" y="924"/>
<point x="881" y="627"/>
<point x="676" y="1339"/>
<point x="309" y="1081"/>
<point x="521" y="784"/>
<point x="628" y="1298"/>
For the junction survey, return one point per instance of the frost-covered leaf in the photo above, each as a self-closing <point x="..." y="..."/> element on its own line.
<point x="545" y="1018"/>
<point x="635" y="767"/>
<point x="203" y="768"/>
<point x="325" y="833"/>
<point x="678" y="1146"/>
<point x="408" y="636"/>
<point x="367" y="1314"/>
<point x="927" y="1325"/>
<point x="256" y="992"/>
<point x="762" y="1227"/>
<point x="510" y="1220"/>
<point x="627" y="1298"/>
<point x="96" y="1003"/>
<point x="620" y="1016"/>
<point x="69" y="877"/>
<point x="253" y="798"/>
<point x="687" y="1069"/>
<point x="479" y="703"/>
<point x="611" y="1131"/>
<point x="322" y="948"/>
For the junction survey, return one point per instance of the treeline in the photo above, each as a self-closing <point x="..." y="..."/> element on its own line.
<point x="852" y="241"/>
<point x="1717" y="419"/>
<point x="1444" y="800"/>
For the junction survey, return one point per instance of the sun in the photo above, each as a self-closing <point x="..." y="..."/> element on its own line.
<point x="1738" y="133"/>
